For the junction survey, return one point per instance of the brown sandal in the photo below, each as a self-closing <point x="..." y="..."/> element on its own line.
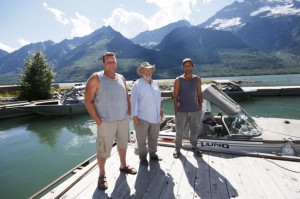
<point x="128" y="170"/>
<point x="102" y="183"/>
<point x="197" y="151"/>
<point x="176" y="154"/>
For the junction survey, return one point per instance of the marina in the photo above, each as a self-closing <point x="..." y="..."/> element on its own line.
<point x="241" y="137"/>
<point x="36" y="150"/>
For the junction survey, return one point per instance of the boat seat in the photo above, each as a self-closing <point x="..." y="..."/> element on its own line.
<point x="209" y="124"/>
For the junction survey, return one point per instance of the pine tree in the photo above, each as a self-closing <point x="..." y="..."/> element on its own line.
<point x="36" y="78"/>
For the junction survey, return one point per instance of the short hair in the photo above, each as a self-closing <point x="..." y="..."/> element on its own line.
<point x="107" y="54"/>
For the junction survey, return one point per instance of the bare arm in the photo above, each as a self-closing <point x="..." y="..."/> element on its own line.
<point x="199" y="91"/>
<point x="91" y="89"/>
<point x="176" y="93"/>
<point x="161" y="111"/>
<point x="128" y="99"/>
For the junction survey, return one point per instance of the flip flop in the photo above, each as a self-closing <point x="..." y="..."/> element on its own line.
<point x="128" y="170"/>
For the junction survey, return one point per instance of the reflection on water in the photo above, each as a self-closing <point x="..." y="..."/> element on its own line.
<point x="35" y="150"/>
<point x="48" y="129"/>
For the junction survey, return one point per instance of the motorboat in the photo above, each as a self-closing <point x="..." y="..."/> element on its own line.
<point x="227" y="127"/>
<point x="12" y="110"/>
<point x="72" y="102"/>
<point x="233" y="90"/>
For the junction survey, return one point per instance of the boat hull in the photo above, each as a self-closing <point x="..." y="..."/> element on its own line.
<point x="239" y="95"/>
<point x="233" y="146"/>
<point x="13" y="110"/>
<point x="54" y="108"/>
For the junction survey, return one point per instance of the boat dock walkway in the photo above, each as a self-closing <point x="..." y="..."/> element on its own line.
<point x="261" y="91"/>
<point x="215" y="175"/>
<point x="275" y="90"/>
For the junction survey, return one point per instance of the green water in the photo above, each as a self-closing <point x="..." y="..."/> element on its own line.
<point x="279" y="107"/>
<point x="35" y="150"/>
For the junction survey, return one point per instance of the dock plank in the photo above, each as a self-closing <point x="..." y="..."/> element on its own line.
<point x="270" y="189"/>
<point x="250" y="185"/>
<point x="177" y="172"/>
<point x="233" y="180"/>
<point x="187" y="183"/>
<point x="171" y="170"/>
<point x="292" y="171"/>
<point x="215" y="175"/>
<point x="202" y="188"/>
<point x="218" y="182"/>
<point x="155" y="188"/>
<point x="281" y="179"/>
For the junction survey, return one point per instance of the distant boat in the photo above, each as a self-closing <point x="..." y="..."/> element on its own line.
<point x="233" y="90"/>
<point x="229" y="128"/>
<point x="72" y="102"/>
<point x="11" y="110"/>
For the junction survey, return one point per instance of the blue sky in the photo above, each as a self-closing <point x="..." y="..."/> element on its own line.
<point x="30" y="21"/>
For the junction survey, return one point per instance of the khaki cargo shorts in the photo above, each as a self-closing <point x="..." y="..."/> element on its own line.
<point x="108" y="132"/>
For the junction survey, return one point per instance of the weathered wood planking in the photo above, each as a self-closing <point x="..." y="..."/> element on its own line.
<point x="215" y="175"/>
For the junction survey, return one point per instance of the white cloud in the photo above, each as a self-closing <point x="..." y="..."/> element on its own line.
<point x="205" y="2"/>
<point x="82" y="26"/>
<point x="6" y="48"/>
<point x="130" y="23"/>
<point x="59" y="15"/>
<point x="23" y="42"/>
<point x="170" y="11"/>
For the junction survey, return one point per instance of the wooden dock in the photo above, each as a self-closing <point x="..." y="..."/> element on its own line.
<point x="261" y="91"/>
<point x="215" y="175"/>
<point x="275" y="90"/>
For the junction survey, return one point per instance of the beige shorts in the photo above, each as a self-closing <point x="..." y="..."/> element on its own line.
<point x="108" y="132"/>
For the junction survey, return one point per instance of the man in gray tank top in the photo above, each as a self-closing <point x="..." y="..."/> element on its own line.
<point x="188" y="107"/>
<point x="107" y="101"/>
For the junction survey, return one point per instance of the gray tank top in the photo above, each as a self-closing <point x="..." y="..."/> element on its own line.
<point x="111" y="98"/>
<point x="188" y="95"/>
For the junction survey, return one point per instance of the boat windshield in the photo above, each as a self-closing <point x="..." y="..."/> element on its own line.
<point x="241" y="124"/>
<point x="238" y="124"/>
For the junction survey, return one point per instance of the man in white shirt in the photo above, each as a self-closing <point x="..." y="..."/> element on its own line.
<point x="146" y="109"/>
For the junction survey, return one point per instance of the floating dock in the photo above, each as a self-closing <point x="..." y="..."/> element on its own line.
<point x="215" y="175"/>
<point x="261" y="91"/>
<point x="275" y="90"/>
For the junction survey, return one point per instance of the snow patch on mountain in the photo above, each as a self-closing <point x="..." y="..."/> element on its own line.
<point x="276" y="11"/>
<point x="223" y="24"/>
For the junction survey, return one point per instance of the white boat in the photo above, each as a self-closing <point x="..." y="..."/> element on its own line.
<point x="228" y="127"/>
<point x="72" y="102"/>
<point x="233" y="90"/>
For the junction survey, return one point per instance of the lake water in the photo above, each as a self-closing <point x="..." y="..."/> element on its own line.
<point x="35" y="150"/>
<point x="264" y="80"/>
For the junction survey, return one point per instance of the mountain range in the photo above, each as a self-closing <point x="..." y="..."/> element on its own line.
<point x="252" y="37"/>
